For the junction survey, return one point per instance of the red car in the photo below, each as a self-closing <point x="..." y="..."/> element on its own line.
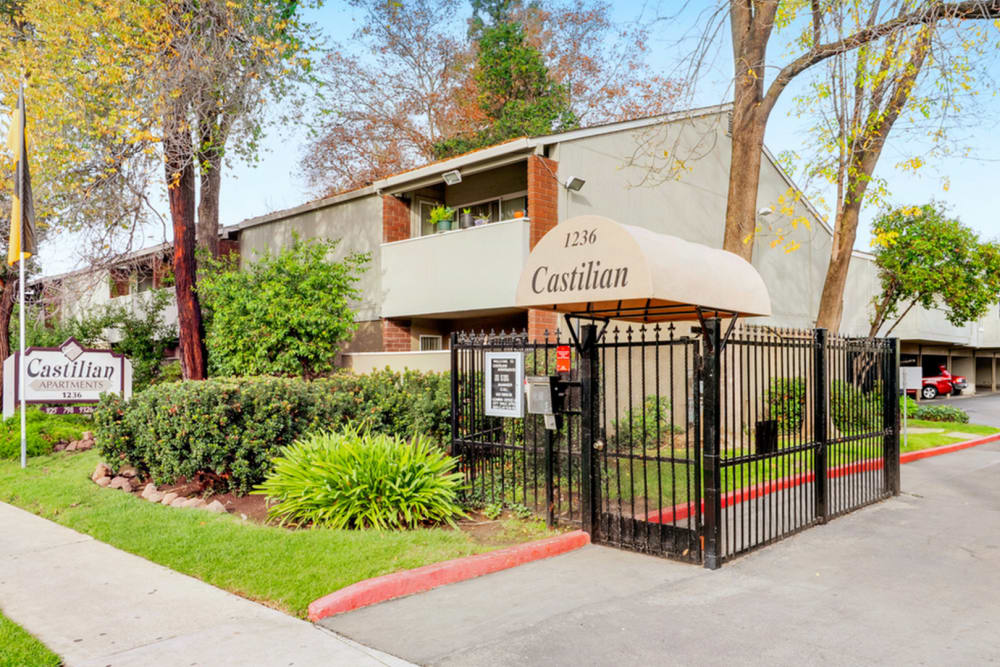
<point x="943" y="384"/>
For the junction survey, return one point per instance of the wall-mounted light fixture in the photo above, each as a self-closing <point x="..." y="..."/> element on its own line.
<point x="453" y="177"/>
<point x="574" y="183"/>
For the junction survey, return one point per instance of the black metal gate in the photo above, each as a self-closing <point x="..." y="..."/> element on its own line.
<point x="697" y="447"/>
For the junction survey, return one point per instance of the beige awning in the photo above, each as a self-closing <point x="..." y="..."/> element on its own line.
<point x="594" y="266"/>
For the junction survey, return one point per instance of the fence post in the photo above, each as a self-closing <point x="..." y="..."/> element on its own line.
<point x="711" y="413"/>
<point x="589" y="372"/>
<point x="890" y="418"/>
<point x="453" y="348"/>
<point x="821" y="398"/>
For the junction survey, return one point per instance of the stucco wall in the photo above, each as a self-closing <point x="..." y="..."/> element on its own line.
<point x="357" y="223"/>
<point x="437" y="362"/>
<point x="463" y="270"/>
<point x="626" y="180"/>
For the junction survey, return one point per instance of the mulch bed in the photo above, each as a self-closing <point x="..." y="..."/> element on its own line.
<point x="477" y="526"/>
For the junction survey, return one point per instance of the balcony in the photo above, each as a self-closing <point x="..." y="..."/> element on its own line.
<point x="454" y="272"/>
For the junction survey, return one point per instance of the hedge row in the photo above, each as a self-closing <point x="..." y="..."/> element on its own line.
<point x="229" y="429"/>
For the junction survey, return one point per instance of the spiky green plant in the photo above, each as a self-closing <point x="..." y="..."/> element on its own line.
<point x="356" y="479"/>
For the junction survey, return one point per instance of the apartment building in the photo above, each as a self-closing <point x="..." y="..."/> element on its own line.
<point x="666" y="173"/>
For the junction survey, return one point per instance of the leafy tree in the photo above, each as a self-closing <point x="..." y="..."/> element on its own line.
<point x="916" y="83"/>
<point x="926" y="258"/>
<point x="138" y="93"/>
<point x="760" y="80"/>
<point x="285" y="314"/>
<point x="406" y="81"/>
<point x="515" y="92"/>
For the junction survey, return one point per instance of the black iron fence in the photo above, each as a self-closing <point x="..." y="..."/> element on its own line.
<point x="697" y="447"/>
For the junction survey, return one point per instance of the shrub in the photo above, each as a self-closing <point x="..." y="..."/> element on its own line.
<point x="853" y="410"/>
<point x="42" y="432"/>
<point x="911" y="406"/>
<point x="286" y="314"/>
<point x="786" y="401"/>
<point x="939" y="413"/>
<point x="229" y="429"/>
<point x="356" y="479"/>
<point x="647" y="426"/>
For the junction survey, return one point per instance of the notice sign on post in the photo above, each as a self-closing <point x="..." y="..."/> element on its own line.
<point x="563" y="363"/>
<point x="504" y="384"/>
<point x="63" y="375"/>
<point x="911" y="378"/>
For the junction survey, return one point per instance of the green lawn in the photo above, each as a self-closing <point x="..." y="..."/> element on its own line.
<point x="19" y="649"/>
<point x="918" y="441"/>
<point x="282" y="568"/>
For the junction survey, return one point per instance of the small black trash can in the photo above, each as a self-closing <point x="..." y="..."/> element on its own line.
<point x="766" y="436"/>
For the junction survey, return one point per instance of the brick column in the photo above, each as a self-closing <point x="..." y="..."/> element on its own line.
<point x="395" y="219"/>
<point x="540" y="321"/>
<point x="396" y="336"/>
<point x="543" y="196"/>
<point x="543" y="209"/>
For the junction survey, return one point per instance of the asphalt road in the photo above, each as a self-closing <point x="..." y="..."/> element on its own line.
<point x="912" y="580"/>
<point x="981" y="409"/>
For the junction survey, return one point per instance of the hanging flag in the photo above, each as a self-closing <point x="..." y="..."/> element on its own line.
<point x="22" y="210"/>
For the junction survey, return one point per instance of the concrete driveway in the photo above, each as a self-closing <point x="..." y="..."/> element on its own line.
<point x="912" y="580"/>
<point x="981" y="409"/>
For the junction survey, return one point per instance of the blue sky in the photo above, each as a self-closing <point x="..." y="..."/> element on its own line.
<point x="274" y="183"/>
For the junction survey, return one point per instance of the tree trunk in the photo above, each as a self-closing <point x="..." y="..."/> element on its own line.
<point x="831" y="302"/>
<point x="211" y="138"/>
<point x="180" y="189"/>
<point x="208" y="204"/>
<point x="7" y="298"/>
<point x="744" y="173"/>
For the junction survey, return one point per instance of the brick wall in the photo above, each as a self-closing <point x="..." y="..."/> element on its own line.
<point x="396" y="336"/>
<point x="543" y="196"/>
<point x="395" y="219"/>
<point x="540" y="321"/>
<point x="229" y="247"/>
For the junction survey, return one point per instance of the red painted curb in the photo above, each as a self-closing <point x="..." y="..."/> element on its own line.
<point x="909" y="457"/>
<point x="683" y="510"/>
<point x="389" y="586"/>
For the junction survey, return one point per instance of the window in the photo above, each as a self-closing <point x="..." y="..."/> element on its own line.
<point x="500" y="208"/>
<point x="510" y="206"/>
<point x="426" y="206"/>
<point x="430" y="343"/>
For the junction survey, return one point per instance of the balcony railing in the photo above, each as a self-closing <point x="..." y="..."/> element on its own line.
<point x="452" y="272"/>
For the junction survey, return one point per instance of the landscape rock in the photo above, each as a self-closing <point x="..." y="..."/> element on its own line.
<point x="103" y="481"/>
<point x="82" y="445"/>
<point x="128" y="471"/>
<point x="194" y="502"/>
<point x="178" y="502"/>
<point x="122" y="483"/>
<point x="216" y="507"/>
<point x="102" y="470"/>
<point x="169" y="498"/>
<point x="148" y="489"/>
<point x="154" y="497"/>
<point x="87" y="435"/>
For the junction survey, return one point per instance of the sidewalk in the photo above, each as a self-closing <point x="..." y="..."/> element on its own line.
<point x="96" y="605"/>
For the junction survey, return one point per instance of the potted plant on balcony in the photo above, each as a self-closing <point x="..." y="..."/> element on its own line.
<point x="480" y="220"/>
<point x="441" y="218"/>
<point x="465" y="220"/>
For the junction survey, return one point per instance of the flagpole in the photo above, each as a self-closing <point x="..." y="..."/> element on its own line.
<point x="20" y="361"/>
<point x="20" y="368"/>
